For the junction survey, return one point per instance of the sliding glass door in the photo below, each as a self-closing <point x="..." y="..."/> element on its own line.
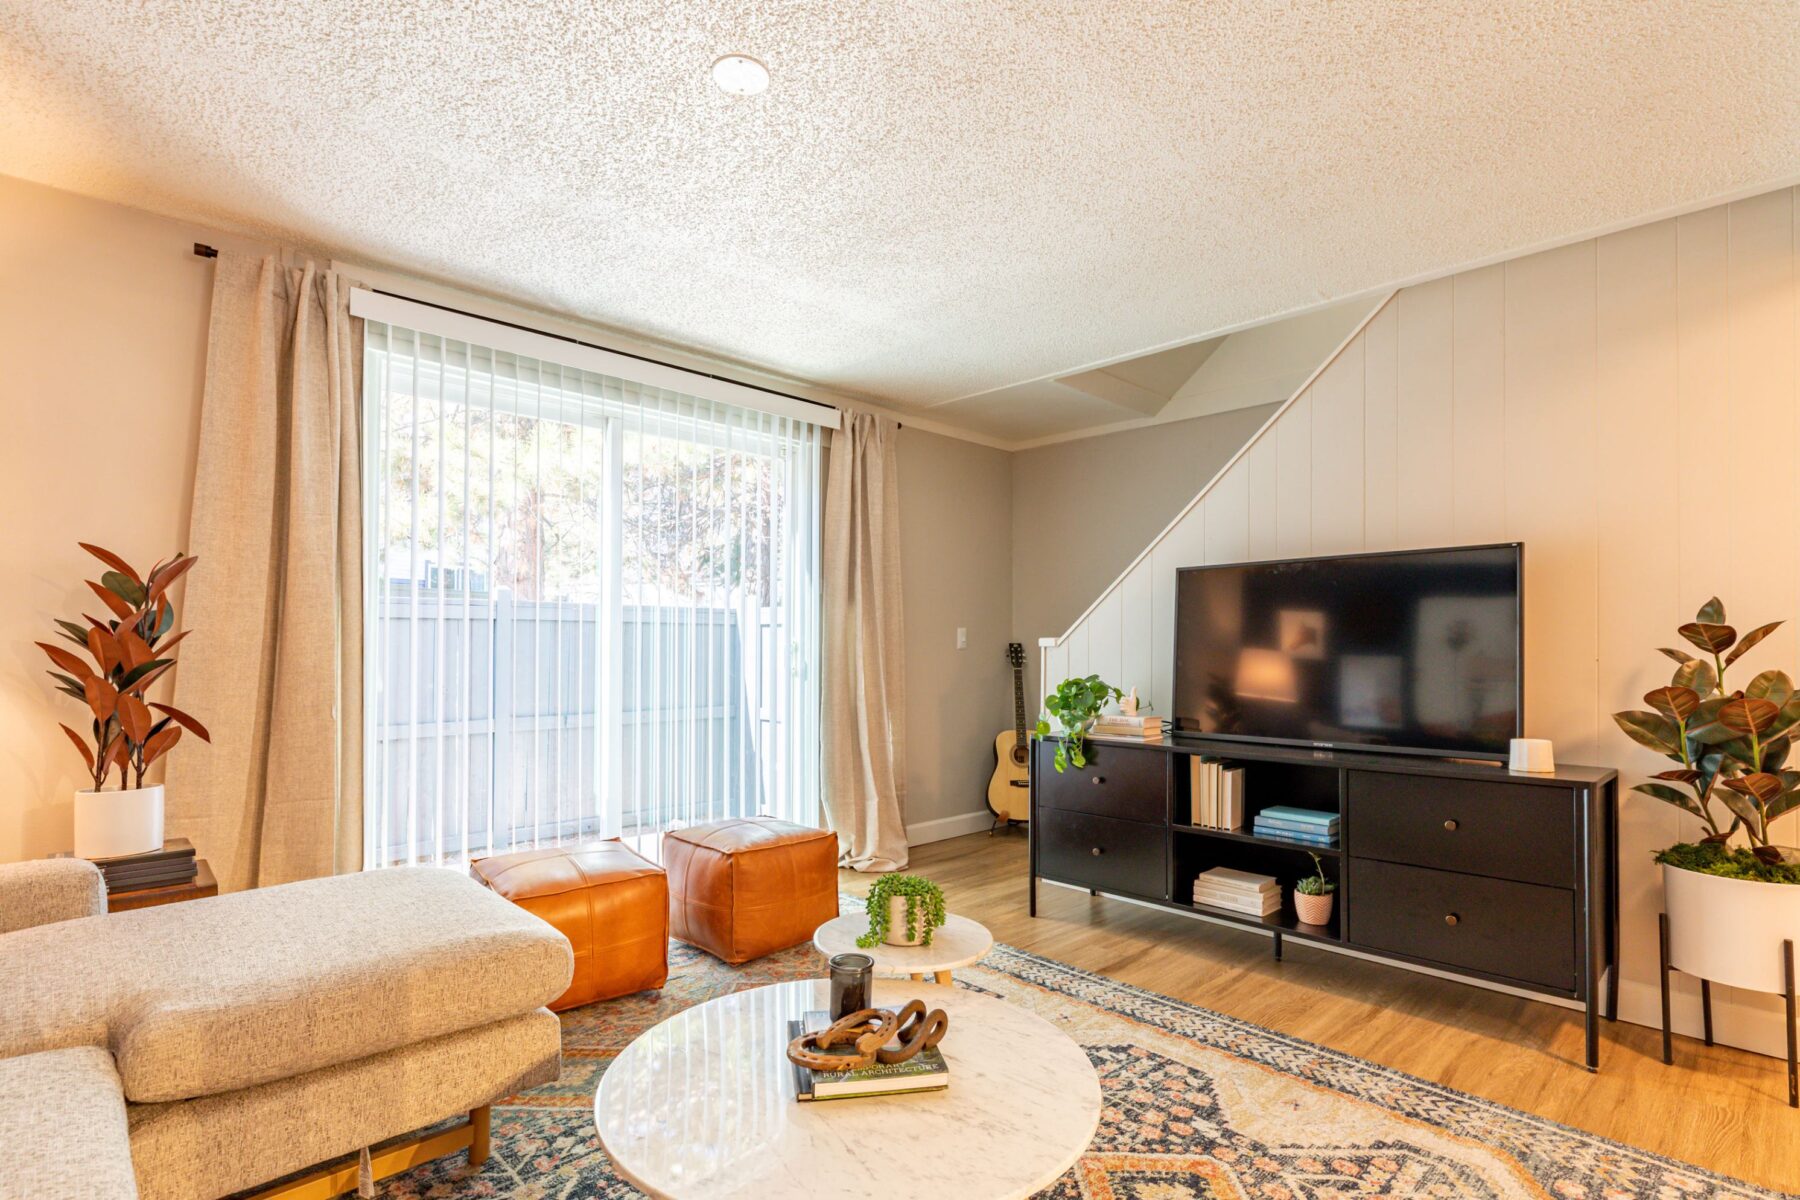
<point x="592" y="605"/>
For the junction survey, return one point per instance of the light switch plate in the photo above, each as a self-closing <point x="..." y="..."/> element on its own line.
<point x="962" y="638"/>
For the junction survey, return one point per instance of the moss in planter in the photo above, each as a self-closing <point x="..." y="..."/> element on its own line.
<point x="1710" y="858"/>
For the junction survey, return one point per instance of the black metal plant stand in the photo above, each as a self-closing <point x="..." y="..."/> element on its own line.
<point x="1793" y="1034"/>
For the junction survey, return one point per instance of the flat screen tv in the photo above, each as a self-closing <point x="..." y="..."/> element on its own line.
<point x="1416" y="651"/>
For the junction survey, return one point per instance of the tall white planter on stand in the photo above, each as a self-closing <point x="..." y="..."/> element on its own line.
<point x="124" y="821"/>
<point x="1730" y="930"/>
<point x="1740" y="932"/>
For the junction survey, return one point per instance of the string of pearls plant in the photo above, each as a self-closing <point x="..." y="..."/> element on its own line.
<point x="924" y="908"/>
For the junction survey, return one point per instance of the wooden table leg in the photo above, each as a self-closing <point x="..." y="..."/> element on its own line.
<point x="916" y="978"/>
<point x="480" y="1141"/>
<point x="943" y="977"/>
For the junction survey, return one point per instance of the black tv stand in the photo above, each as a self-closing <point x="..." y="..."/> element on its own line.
<point x="1463" y="867"/>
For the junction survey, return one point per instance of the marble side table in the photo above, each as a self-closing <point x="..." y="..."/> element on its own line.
<point x="701" y="1107"/>
<point x="956" y="943"/>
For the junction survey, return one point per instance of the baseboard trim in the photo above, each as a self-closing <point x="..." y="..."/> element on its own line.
<point x="945" y="828"/>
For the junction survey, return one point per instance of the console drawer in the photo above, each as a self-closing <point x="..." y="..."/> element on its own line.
<point x="1129" y="782"/>
<point x="1516" y="930"/>
<point x="1103" y="852"/>
<point x="1478" y="827"/>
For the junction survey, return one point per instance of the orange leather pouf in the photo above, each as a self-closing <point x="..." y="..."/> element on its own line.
<point x="744" y="888"/>
<point x="612" y="906"/>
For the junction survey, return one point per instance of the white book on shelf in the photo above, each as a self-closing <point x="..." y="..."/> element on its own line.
<point x="1231" y="876"/>
<point x="1253" y="907"/>
<point x="1196" y="768"/>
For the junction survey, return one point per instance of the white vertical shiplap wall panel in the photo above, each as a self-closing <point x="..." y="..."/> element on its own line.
<point x="1294" y="478"/>
<point x="1478" y="392"/>
<point x="1562" y="400"/>
<point x="1260" y="463"/>
<point x="1337" y="454"/>
<point x="1381" y="428"/>
<point x="1228" y="516"/>
<point x="1637" y="504"/>
<point x="1426" y="481"/>
<point x="1549" y="486"/>
<point x="1106" y="641"/>
<point x="1137" y="610"/>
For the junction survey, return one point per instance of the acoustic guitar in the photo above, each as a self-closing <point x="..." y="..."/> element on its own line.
<point x="1009" y="791"/>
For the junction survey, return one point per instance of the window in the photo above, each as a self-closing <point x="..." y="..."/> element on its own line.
<point x="592" y="605"/>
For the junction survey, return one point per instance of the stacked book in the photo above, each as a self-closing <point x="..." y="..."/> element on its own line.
<point x="171" y="865"/>
<point x="1216" y="792"/>
<point x="925" y="1071"/>
<point x="1308" y="826"/>
<point x="1135" y="729"/>
<point x="1238" y="891"/>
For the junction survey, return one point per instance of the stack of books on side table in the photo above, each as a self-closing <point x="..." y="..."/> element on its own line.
<point x="925" y="1071"/>
<point x="1125" y="728"/>
<point x="171" y="865"/>
<point x="1239" y="891"/>
<point x="1307" y="826"/>
<point x="1217" y="794"/>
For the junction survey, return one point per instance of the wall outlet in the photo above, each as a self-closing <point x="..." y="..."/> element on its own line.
<point x="962" y="638"/>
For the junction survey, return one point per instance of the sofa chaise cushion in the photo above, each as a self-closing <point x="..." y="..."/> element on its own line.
<point x="203" y="998"/>
<point x="62" y="1123"/>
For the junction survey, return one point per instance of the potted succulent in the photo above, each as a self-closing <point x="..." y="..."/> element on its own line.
<point x="119" y="659"/>
<point x="1074" y="704"/>
<point x="1729" y="907"/>
<point x="903" y="911"/>
<point x="1312" y="895"/>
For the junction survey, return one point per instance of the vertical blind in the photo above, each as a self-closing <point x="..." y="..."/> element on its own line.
<point x="593" y="605"/>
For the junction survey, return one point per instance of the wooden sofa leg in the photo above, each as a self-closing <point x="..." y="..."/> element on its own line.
<point x="480" y="1141"/>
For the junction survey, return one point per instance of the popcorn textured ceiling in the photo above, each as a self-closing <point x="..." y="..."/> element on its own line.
<point x="932" y="200"/>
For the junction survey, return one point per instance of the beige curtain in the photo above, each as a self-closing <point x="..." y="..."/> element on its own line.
<point x="274" y="666"/>
<point x="865" y="681"/>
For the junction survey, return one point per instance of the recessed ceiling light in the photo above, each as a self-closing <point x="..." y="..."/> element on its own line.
<point x="740" y="75"/>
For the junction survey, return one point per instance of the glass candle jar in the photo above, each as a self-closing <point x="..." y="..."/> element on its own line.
<point x="852" y="984"/>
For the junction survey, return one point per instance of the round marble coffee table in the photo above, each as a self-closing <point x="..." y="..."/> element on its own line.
<point x="701" y="1107"/>
<point x="956" y="943"/>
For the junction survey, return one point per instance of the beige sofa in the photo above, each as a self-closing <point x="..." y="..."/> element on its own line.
<point x="196" y="1050"/>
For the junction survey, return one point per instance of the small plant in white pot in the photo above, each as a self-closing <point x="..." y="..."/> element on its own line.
<point x="1313" y="895"/>
<point x="903" y="911"/>
<point x="1729" y="907"/>
<point x="119" y="660"/>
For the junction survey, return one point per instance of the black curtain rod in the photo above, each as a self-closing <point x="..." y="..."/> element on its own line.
<point x="205" y="251"/>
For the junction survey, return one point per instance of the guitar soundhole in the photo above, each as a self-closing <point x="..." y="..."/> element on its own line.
<point x="1019" y="755"/>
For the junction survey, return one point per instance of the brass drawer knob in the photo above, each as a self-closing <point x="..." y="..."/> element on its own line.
<point x="1450" y="826"/>
<point x="1096" y="852"/>
<point x="1097" y="779"/>
<point x="1450" y="918"/>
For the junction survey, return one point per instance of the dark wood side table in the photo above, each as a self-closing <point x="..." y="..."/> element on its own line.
<point x="201" y="885"/>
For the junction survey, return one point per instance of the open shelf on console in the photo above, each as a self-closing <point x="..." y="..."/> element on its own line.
<point x="1241" y="835"/>
<point x="1197" y="850"/>
<point x="1285" y="920"/>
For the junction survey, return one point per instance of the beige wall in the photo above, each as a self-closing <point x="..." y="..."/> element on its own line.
<point x="955" y="526"/>
<point x="1628" y="407"/>
<point x="103" y="313"/>
<point x="1081" y="511"/>
<point x="103" y="333"/>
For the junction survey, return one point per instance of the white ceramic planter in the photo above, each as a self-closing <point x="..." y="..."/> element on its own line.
<point x="896" y="934"/>
<point x="1730" y="930"/>
<point x="1313" y="910"/>
<point x="127" y="821"/>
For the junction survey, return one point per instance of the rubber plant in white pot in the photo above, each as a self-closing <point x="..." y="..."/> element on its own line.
<point x="1730" y="907"/>
<point x="119" y="659"/>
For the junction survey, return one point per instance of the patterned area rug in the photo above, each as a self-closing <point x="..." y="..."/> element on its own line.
<point x="1196" y="1106"/>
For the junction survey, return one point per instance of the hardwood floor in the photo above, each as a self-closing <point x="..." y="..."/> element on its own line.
<point x="1716" y="1107"/>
